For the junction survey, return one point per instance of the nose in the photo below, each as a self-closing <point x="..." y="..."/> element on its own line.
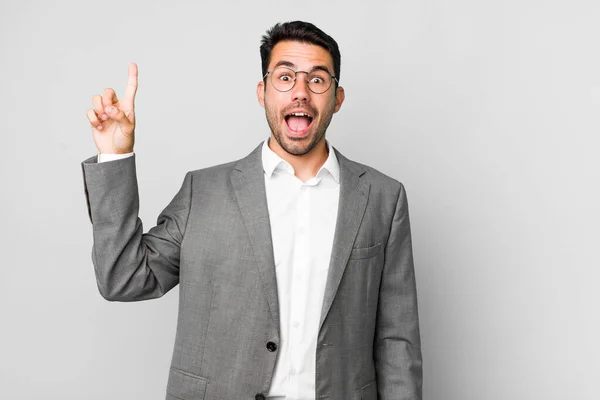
<point x="300" y="91"/>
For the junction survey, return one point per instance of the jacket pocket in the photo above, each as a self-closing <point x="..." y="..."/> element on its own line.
<point x="185" y="386"/>
<point x="365" y="252"/>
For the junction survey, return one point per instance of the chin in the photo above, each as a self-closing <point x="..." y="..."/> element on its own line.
<point x="298" y="145"/>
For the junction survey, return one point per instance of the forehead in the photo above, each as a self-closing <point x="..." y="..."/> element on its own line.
<point x="304" y="56"/>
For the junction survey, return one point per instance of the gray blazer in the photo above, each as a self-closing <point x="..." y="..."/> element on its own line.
<point x="214" y="240"/>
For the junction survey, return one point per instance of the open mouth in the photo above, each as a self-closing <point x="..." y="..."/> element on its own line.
<point x="298" y="122"/>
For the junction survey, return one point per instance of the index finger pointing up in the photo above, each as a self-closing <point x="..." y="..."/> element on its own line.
<point x="132" y="84"/>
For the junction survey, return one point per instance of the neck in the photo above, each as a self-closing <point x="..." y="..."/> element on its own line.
<point x="306" y="165"/>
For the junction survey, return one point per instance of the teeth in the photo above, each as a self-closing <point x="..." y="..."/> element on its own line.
<point x="300" y="115"/>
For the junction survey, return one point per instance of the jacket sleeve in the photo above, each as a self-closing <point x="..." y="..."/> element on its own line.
<point x="397" y="346"/>
<point x="131" y="265"/>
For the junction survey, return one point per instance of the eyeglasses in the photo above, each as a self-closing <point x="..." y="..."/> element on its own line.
<point x="283" y="79"/>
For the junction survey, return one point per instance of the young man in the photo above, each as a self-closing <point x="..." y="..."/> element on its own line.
<point x="294" y="264"/>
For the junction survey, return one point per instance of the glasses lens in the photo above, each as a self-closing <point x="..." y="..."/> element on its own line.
<point x="319" y="81"/>
<point x="283" y="78"/>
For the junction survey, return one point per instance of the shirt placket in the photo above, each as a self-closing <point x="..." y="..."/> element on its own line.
<point x="300" y="276"/>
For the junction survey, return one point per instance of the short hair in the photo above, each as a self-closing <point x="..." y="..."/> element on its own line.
<point x="298" y="31"/>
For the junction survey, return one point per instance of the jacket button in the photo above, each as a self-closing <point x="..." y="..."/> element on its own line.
<point x="260" y="396"/>
<point x="271" y="346"/>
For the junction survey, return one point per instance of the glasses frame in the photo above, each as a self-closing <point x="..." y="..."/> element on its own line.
<point x="296" y="79"/>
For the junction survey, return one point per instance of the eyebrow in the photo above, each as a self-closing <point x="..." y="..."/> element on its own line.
<point x="285" y="64"/>
<point x="293" y="66"/>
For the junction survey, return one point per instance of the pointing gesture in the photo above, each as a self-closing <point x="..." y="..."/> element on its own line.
<point x="113" y="120"/>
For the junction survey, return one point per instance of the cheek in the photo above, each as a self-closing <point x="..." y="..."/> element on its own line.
<point x="327" y="107"/>
<point x="272" y="112"/>
<point x="273" y="104"/>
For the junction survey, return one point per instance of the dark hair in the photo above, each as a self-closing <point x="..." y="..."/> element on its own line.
<point x="298" y="31"/>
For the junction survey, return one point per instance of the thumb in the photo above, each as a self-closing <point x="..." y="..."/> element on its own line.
<point x="119" y="116"/>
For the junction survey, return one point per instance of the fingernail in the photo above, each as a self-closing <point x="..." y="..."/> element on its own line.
<point x="110" y="109"/>
<point x="99" y="127"/>
<point x="104" y="116"/>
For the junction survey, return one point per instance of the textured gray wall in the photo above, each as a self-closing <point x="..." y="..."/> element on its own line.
<point x="487" y="111"/>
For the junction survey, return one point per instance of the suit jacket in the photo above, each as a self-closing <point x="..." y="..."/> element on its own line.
<point x="214" y="240"/>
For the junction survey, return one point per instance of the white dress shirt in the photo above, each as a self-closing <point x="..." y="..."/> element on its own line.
<point x="303" y="217"/>
<point x="110" y="157"/>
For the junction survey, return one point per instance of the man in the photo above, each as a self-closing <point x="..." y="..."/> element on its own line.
<point x="294" y="264"/>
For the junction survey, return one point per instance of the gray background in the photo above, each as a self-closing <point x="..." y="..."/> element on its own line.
<point x="487" y="111"/>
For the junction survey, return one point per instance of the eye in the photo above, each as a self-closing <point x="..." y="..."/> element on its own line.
<point x="285" y="77"/>
<point x="319" y="78"/>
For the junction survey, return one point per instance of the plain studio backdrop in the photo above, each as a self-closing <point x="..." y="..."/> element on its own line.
<point x="487" y="111"/>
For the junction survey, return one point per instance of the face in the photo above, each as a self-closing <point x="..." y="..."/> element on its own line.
<point x="298" y="134"/>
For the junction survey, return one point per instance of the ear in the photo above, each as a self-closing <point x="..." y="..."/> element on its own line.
<point x="339" y="98"/>
<point x="260" y="93"/>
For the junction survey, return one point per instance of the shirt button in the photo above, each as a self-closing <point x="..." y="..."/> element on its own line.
<point x="260" y="396"/>
<point x="296" y="324"/>
<point x="271" y="346"/>
<point x="293" y="371"/>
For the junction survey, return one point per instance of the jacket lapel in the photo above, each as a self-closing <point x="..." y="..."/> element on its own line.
<point x="354" y="193"/>
<point x="249" y="186"/>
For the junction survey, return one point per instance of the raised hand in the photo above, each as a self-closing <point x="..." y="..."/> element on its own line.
<point x="113" y="120"/>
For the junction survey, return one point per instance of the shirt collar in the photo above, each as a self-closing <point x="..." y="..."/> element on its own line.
<point x="272" y="162"/>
